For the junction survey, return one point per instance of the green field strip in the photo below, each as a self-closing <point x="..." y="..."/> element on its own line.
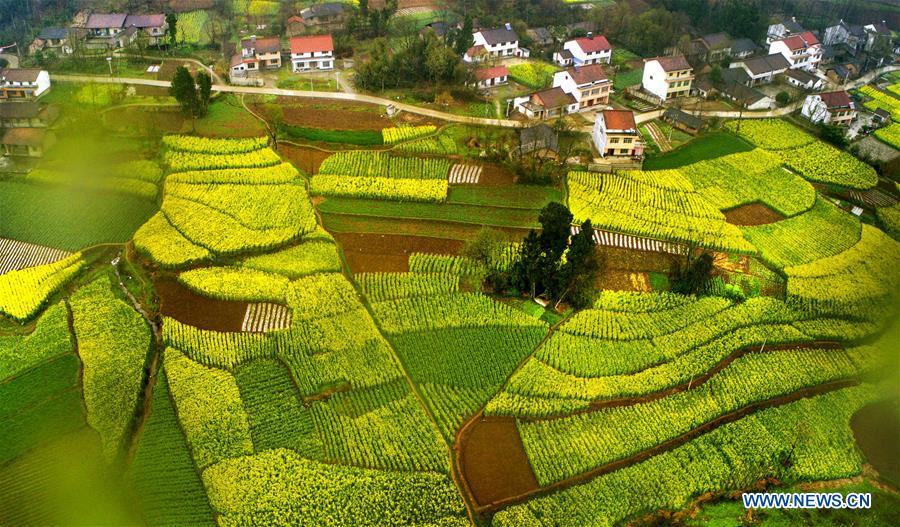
<point x="443" y="212"/>
<point x="37" y="384"/>
<point x="510" y="196"/>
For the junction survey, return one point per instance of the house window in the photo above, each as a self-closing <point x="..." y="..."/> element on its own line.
<point x="613" y="140"/>
<point x="627" y="140"/>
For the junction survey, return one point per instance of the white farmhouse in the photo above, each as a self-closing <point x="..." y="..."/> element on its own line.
<point x="803" y="51"/>
<point x="501" y="42"/>
<point x="829" y="108"/>
<point x="584" y="51"/>
<point x="667" y="77"/>
<point x="589" y="85"/>
<point x="23" y="84"/>
<point x="616" y="134"/>
<point x="312" y="53"/>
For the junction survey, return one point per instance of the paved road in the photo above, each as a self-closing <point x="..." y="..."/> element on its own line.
<point x="358" y="97"/>
<point x="11" y="59"/>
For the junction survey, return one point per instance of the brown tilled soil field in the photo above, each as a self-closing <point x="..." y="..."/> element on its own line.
<point x="367" y="253"/>
<point x="752" y="214"/>
<point x="182" y="304"/>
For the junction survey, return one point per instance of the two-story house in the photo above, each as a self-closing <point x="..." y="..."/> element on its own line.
<point x="154" y="26"/>
<point x="616" y="134"/>
<point x="782" y="29"/>
<point x="762" y="70"/>
<point x="22" y="84"/>
<point x="803" y="51"/>
<point x="256" y="54"/>
<point x="27" y="114"/>
<point x="312" y="53"/>
<point x="829" y="108"/>
<point x="584" y="51"/>
<point x="105" y="25"/>
<point x="667" y="77"/>
<point x="546" y="104"/>
<point x="501" y="42"/>
<point x="589" y="85"/>
<point x="324" y="16"/>
<point x="715" y="46"/>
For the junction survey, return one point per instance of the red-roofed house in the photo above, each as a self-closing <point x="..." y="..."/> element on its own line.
<point x="584" y="51"/>
<point x="829" y="108"/>
<point x="489" y="77"/>
<point x="588" y="84"/>
<point x="312" y="53"/>
<point x="546" y="104"/>
<point x="256" y="53"/>
<point x="667" y="77"/>
<point x="476" y="54"/>
<point x="616" y="134"/>
<point x="802" y="51"/>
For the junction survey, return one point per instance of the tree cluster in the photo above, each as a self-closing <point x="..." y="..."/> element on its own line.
<point x="193" y="96"/>
<point x="414" y="61"/>
<point x="549" y="265"/>
<point x="648" y="33"/>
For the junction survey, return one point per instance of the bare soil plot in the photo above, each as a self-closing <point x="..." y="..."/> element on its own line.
<point x="619" y="280"/>
<point x="167" y="68"/>
<point x="752" y="214"/>
<point x="131" y="118"/>
<point x="493" y="460"/>
<point x="305" y="158"/>
<point x="494" y="175"/>
<point x="182" y="304"/>
<point x="368" y="253"/>
<point x="330" y="115"/>
<point x="631" y="260"/>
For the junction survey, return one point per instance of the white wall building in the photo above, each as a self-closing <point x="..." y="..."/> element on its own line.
<point x="584" y="51"/>
<point x="802" y="51"/>
<point x="667" y="77"/>
<point x="312" y="53"/>
<point x="829" y="108"/>
<point x="500" y="42"/>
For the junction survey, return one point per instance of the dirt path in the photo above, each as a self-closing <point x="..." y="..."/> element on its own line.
<point x="658" y="137"/>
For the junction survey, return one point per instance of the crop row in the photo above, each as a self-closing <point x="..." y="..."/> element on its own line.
<point x="430" y="190"/>
<point x="113" y="343"/>
<point x="866" y="270"/>
<point x="277" y="416"/>
<point x="50" y="338"/>
<point x="236" y="283"/>
<point x="405" y="133"/>
<point x="881" y="100"/>
<point x="169" y="489"/>
<point x="281" y="487"/>
<point x="440" y="263"/>
<point x="771" y="134"/>
<point x="280" y="173"/>
<point x="748" y="177"/>
<point x="632" y="302"/>
<point x="389" y="286"/>
<point x="448" y="311"/>
<point x="614" y="325"/>
<point x="24" y="292"/>
<point x="824" y="163"/>
<point x="161" y="242"/>
<point x="382" y="164"/>
<point x="209" y="408"/>
<point x="441" y="145"/>
<point x="178" y="161"/>
<point x="207" y="145"/>
<point x="625" y="205"/>
<point x="822" y="231"/>
<point x="562" y="448"/>
<point x="255" y="206"/>
<point x="808" y="439"/>
<point x="463" y="367"/>
<point x="310" y="257"/>
<point x="890" y="135"/>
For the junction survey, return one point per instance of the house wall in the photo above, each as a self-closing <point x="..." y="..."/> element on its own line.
<point x="503" y="49"/>
<point x="807" y="59"/>
<point x="319" y="60"/>
<point x="582" y="58"/>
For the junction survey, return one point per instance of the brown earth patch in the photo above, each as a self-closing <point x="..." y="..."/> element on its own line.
<point x="167" y="68"/>
<point x="877" y="431"/>
<point x="492" y="460"/>
<point x="305" y="158"/>
<point x="182" y="304"/>
<point x="494" y="175"/>
<point x="347" y="223"/>
<point x="369" y="253"/>
<point x="150" y="91"/>
<point x="752" y="214"/>
<point x="622" y="280"/>
<point x="633" y="260"/>
<point x="331" y="115"/>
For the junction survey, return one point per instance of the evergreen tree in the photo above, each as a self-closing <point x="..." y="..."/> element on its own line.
<point x="184" y="91"/>
<point x="556" y="224"/>
<point x="204" y="91"/>
<point x="577" y="274"/>
<point x="172" y="22"/>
